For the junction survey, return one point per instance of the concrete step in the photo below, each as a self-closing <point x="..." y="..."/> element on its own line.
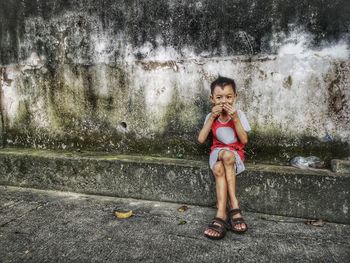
<point x="52" y="226"/>
<point x="268" y="189"/>
<point x="340" y="166"/>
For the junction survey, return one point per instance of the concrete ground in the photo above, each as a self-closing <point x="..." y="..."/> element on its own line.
<point x="51" y="226"/>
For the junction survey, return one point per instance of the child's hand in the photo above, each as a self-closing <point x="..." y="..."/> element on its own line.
<point x="230" y="109"/>
<point x="216" y="111"/>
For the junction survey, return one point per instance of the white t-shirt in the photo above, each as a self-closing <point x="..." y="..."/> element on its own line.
<point x="241" y="117"/>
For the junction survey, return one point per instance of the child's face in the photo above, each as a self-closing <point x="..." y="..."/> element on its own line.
<point x="224" y="95"/>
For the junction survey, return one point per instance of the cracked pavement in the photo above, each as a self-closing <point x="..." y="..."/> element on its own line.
<point x="52" y="226"/>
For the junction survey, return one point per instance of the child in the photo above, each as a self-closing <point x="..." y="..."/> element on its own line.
<point x="229" y="127"/>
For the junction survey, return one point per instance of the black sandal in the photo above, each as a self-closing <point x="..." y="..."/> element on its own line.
<point x="220" y="226"/>
<point x="236" y="221"/>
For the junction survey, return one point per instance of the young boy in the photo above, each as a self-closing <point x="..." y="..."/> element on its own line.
<point x="229" y="128"/>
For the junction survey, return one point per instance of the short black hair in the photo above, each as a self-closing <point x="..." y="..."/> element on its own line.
<point x="222" y="82"/>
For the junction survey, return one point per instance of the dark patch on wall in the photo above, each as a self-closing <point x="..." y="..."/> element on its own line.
<point x="173" y="122"/>
<point x="90" y="92"/>
<point x="243" y="27"/>
<point x="288" y="82"/>
<point x="110" y="102"/>
<point x="202" y="102"/>
<point x="338" y="83"/>
<point x="12" y="21"/>
<point x="2" y="130"/>
<point x="279" y="148"/>
<point x="336" y="102"/>
<point x="10" y="33"/>
<point x="2" y="115"/>
<point x="23" y="120"/>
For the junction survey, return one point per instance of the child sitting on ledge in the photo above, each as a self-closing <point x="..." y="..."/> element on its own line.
<point x="229" y="128"/>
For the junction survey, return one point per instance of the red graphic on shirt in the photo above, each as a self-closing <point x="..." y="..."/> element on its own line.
<point x="236" y="146"/>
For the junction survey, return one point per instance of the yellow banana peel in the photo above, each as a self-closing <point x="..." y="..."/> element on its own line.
<point x="123" y="214"/>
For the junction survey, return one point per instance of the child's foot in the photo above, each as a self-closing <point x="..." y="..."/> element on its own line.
<point x="238" y="224"/>
<point x="217" y="228"/>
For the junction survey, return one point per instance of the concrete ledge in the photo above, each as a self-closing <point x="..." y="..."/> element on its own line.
<point x="340" y="166"/>
<point x="268" y="189"/>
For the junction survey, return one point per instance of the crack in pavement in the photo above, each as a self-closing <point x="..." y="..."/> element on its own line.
<point x="20" y="217"/>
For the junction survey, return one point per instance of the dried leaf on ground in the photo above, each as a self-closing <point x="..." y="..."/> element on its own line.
<point x="182" y="208"/>
<point x="182" y="222"/>
<point x="123" y="214"/>
<point x="318" y="222"/>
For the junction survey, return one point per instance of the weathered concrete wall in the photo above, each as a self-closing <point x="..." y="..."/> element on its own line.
<point x="133" y="76"/>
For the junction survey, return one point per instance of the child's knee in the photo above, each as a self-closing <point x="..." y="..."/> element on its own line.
<point x="219" y="169"/>
<point x="228" y="157"/>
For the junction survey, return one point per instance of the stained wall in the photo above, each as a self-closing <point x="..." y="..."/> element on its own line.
<point x="134" y="76"/>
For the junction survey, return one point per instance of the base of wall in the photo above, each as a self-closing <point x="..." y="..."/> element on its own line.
<point x="280" y="190"/>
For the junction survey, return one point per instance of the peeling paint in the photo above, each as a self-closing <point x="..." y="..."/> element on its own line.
<point x="154" y="65"/>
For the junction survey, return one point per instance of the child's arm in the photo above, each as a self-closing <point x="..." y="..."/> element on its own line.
<point x="203" y="134"/>
<point x="241" y="133"/>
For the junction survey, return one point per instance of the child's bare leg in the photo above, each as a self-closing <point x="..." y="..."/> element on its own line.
<point x="228" y="159"/>
<point x="221" y="194"/>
